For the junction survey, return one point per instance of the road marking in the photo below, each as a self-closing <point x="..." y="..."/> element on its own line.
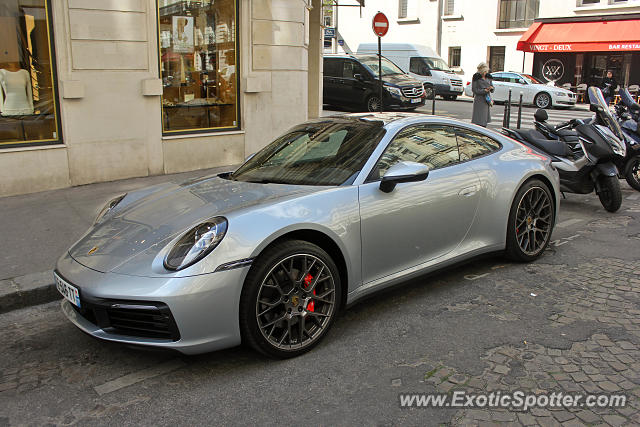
<point x="569" y="222"/>
<point x="633" y="197"/>
<point x="139" y="376"/>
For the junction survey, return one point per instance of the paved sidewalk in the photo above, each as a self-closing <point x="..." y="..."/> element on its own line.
<point x="37" y="228"/>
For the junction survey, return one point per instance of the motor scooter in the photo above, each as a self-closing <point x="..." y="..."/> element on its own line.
<point x="627" y="112"/>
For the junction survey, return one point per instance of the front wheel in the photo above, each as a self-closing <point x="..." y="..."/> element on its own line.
<point x="633" y="173"/>
<point x="373" y="103"/>
<point x="542" y="100"/>
<point x="290" y="299"/>
<point x="609" y="192"/>
<point x="429" y="92"/>
<point x="530" y="221"/>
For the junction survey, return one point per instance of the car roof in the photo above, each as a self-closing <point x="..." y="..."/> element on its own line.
<point x="351" y="56"/>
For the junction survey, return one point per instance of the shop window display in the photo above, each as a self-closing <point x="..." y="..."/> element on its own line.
<point x="27" y="86"/>
<point x="198" y="56"/>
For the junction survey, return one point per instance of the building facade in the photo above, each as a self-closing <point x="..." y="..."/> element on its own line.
<point x="98" y="90"/>
<point x="467" y="32"/>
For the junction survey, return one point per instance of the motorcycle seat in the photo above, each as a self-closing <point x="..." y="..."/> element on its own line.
<point x="554" y="147"/>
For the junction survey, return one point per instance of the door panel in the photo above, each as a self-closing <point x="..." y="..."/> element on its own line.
<point x="417" y="221"/>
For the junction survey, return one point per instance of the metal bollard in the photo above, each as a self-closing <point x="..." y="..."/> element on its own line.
<point x="509" y="110"/>
<point x="519" y="112"/>
<point x="433" y="103"/>
<point x="504" y="117"/>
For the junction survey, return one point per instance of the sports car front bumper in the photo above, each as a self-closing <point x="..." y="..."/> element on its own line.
<point x="203" y="309"/>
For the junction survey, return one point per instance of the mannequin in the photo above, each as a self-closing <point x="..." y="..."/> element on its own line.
<point x="16" y="97"/>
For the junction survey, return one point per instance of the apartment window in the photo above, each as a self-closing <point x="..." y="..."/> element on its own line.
<point x="496" y="58"/>
<point x="517" y="13"/>
<point x="402" y="8"/>
<point x="454" y="56"/>
<point x="587" y="2"/>
<point x="198" y="57"/>
<point x="449" y="6"/>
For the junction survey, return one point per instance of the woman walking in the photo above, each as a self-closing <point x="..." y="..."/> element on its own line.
<point x="482" y="102"/>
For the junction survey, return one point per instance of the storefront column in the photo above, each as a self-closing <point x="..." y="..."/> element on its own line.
<point x="315" y="59"/>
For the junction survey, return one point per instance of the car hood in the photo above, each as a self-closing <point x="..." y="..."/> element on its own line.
<point x="550" y="88"/>
<point x="154" y="216"/>
<point x="401" y="80"/>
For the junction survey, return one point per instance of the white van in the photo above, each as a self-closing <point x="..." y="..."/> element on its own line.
<point x="423" y="64"/>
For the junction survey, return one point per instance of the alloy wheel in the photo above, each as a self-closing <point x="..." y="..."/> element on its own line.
<point x="373" y="104"/>
<point x="295" y="302"/>
<point x="533" y="221"/>
<point x="543" y="100"/>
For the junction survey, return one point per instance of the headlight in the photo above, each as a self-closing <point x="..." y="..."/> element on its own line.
<point x="560" y="94"/>
<point x="614" y="142"/>
<point x="196" y="243"/>
<point x="393" y="90"/>
<point x="107" y="208"/>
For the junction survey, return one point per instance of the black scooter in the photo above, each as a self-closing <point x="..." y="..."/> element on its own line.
<point x="628" y="115"/>
<point x="581" y="151"/>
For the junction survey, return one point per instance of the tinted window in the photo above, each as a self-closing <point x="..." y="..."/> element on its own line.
<point x="350" y="68"/>
<point x="332" y="67"/>
<point x="473" y="144"/>
<point x="329" y="152"/>
<point x="434" y="146"/>
<point x="497" y="77"/>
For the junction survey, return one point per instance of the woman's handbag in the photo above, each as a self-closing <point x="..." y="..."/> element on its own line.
<point x="487" y="98"/>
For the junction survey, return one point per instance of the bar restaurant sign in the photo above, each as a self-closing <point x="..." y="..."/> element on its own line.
<point x="583" y="47"/>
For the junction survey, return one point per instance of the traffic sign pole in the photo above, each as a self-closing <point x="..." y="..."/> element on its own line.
<point x="380" y="27"/>
<point x="380" y="71"/>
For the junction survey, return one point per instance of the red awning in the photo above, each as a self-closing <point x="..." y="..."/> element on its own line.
<point x="602" y="36"/>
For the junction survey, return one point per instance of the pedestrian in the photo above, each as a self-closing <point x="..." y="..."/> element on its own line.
<point x="609" y="87"/>
<point x="481" y="87"/>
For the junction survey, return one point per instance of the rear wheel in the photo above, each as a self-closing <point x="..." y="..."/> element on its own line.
<point x="609" y="192"/>
<point x="633" y="173"/>
<point x="373" y="103"/>
<point x="290" y="299"/>
<point x="542" y="100"/>
<point x="530" y="221"/>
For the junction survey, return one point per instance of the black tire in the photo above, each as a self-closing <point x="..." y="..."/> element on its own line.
<point x="538" y="225"/>
<point x="429" y="92"/>
<point x="258" y="314"/>
<point x="542" y="100"/>
<point x="450" y="97"/>
<point x="633" y="173"/>
<point x="372" y="103"/>
<point x="609" y="192"/>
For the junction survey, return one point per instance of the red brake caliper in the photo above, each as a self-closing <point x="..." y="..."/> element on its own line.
<point x="307" y="281"/>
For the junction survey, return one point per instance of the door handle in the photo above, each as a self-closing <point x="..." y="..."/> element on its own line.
<point x="468" y="191"/>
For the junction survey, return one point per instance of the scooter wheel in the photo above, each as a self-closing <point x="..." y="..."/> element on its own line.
<point x="609" y="193"/>
<point x="633" y="173"/>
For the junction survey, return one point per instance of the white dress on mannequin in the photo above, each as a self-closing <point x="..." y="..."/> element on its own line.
<point x="16" y="98"/>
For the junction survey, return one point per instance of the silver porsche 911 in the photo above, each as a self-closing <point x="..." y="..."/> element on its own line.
<point x="334" y="209"/>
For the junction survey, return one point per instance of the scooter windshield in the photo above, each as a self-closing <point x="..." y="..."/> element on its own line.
<point x="604" y="114"/>
<point x="627" y="99"/>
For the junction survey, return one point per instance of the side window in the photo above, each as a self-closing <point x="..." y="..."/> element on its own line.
<point x="332" y="67"/>
<point x="473" y="144"/>
<point x="497" y="77"/>
<point x="434" y="146"/>
<point x="418" y="66"/>
<point x="350" y="68"/>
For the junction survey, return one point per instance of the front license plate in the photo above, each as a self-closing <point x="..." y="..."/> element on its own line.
<point x="69" y="292"/>
<point x="415" y="100"/>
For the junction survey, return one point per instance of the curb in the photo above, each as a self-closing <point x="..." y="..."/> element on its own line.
<point x="26" y="291"/>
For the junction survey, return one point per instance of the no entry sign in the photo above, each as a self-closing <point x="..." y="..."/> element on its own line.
<point x="380" y="24"/>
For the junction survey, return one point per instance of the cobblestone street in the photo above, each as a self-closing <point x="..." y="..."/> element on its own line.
<point x="569" y="322"/>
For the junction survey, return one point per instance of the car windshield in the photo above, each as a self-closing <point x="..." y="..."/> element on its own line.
<point x="326" y="152"/>
<point x="435" y="64"/>
<point x="530" y="79"/>
<point x="388" y="67"/>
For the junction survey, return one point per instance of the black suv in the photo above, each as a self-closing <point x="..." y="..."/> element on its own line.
<point x="352" y="81"/>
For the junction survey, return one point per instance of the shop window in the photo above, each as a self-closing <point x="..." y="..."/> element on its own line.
<point x="496" y="58"/>
<point x="198" y="57"/>
<point x="517" y="13"/>
<point x="454" y="56"/>
<point x="28" y="95"/>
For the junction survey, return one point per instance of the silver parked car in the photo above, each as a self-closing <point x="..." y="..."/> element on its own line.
<point x="334" y="209"/>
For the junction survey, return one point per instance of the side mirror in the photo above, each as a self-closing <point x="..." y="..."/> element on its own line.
<point x="403" y="172"/>
<point x="358" y="77"/>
